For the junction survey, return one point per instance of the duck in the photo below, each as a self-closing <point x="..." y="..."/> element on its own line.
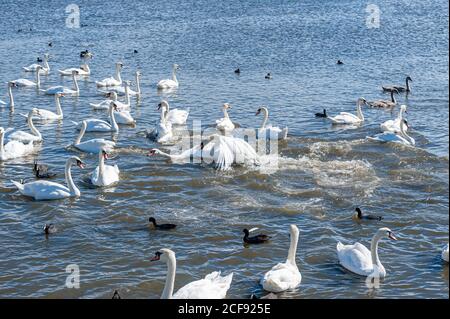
<point x="116" y="80"/>
<point x="35" y="67"/>
<point x="104" y="175"/>
<point x="63" y="89"/>
<point x="444" y="254"/>
<point x="94" y="145"/>
<point x="258" y="239"/>
<point x="49" y="229"/>
<point x="10" y="103"/>
<point x="152" y="221"/>
<point x="400" y="137"/>
<point x="49" y="115"/>
<point x="25" y="137"/>
<point x="284" y="276"/>
<point x="170" y="83"/>
<point x="268" y="76"/>
<point x="224" y="124"/>
<point x="399" y="88"/>
<point x="41" y="171"/>
<point x="96" y="125"/>
<point x="28" y="83"/>
<point x="175" y="116"/>
<point x="269" y="130"/>
<point x="362" y="261"/>
<point x="360" y="216"/>
<point x="13" y="149"/>
<point x="323" y="114"/>
<point x="83" y="70"/>
<point x="339" y="62"/>
<point x="46" y="190"/>
<point x="237" y="71"/>
<point x="348" y="118"/>
<point x="213" y="286"/>
<point x="394" y="125"/>
<point x="385" y="103"/>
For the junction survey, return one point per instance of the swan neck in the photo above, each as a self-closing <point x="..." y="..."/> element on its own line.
<point x="1" y="143"/>
<point x="80" y="136"/>
<point x="114" y="125"/>
<point x="101" y="165"/>
<point x="293" y="249"/>
<point x="74" y="191"/>
<point x="266" y="117"/>
<point x="33" y="129"/>
<point x="11" y="97"/>
<point x="38" y="79"/>
<point x="127" y="95"/>
<point x="118" y="77"/>
<point x="393" y="98"/>
<point x="170" y="279"/>
<point x="359" y="111"/>
<point x="225" y="113"/>
<point x="407" y="85"/>
<point x="174" y="75"/>
<point x="374" y="251"/>
<point x="58" y="105"/>
<point x="75" y="82"/>
<point x="138" y="84"/>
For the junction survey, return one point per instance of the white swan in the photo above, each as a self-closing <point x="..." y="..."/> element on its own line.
<point x="445" y="253"/>
<point x="163" y="132"/>
<point x="123" y="117"/>
<point x="49" y="115"/>
<point x="284" y="276"/>
<point x="96" y="125"/>
<point x="112" y="81"/>
<point x="121" y="90"/>
<point x="10" y="103"/>
<point x="112" y="96"/>
<point x="83" y="70"/>
<point x="92" y="146"/>
<point x="213" y="286"/>
<point x="270" y="130"/>
<point x="25" y="137"/>
<point x="13" y="149"/>
<point x="170" y="84"/>
<point x="225" y="124"/>
<point x="42" y="69"/>
<point x="63" y="89"/>
<point x="398" y="137"/>
<point x="175" y="116"/>
<point x="348" y="118"/>
<point x="394" y="125"/>
<point x="45" y="190"/>
<point x="359" y="260"/>
<point x="104" y="175"/>
<point x="28" y="83"/>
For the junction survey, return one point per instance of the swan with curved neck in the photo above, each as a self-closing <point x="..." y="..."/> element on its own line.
<point x="399" y="88"/>
<point x="358" y="259"/>
<point x="270" y="131"/>
<point x="13" y="149"/>
<point x="164" y="132"/>
<point x="175" y="116"/>
<point x="213" y="286"/>
<point x="385" y="103"/>
<point x="170" y="83"/>
<point x="83" y="70"/>
<point x="104" y="175"/>
<point x="394" y="125"/>
<point x="65" y="90"/>
<point x="49" y="115"/>
<point x="37" y="67"/>
<point x="94" y="145"/>
<point x="116" y="80"/>
<point x="96" y="125"/>
<point x="284" y="276"/>
<point x="349" y="118"/>
<point x="122" y="116"/>
<point x="10" y="103"/>
<point x="224" y="124"/>
<point x="121" y="90"/>
<point x="396" y="137"/>
<point x="28" y="83"/>
<point x="25" y="137"/>
<point x="46" y="190"/>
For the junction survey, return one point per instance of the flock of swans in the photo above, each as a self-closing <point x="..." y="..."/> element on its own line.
<point x="223" y="149"/>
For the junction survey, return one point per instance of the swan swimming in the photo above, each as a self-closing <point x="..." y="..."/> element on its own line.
<point x="269" y="130"/>
<point x="224" y="124"/>
<point x="170" y="83"/>
<point x="94" y="145"/>
<point x="359" y="260"/>
<point x="25" y="137"/>
<point x="396" y="137"/>
<point x="83" y="70"/>
<point x="348" y="118"/>
<point x="385" y="103"/>
<point x="399" y="88"/>
<point x="46" y="190"/>
<point x="63" y="89"/>
<point x="35" y="67"/>
<point x="213" y="286"/>
<point x="284" y="276"/>
<point x="49" y="115"/>
<point x="175" y="116"/>
<point x="163" y="132"/>
<point x="394" y="125"/>
<point x="104" y="175"/>
<point x="116" y="80"/>
<point x="121" y="90"/>
<point x="123" y="117"/>
<point x="13" y="149"/>
<point x="96" y="125"/>
<point x="28" y="83"/>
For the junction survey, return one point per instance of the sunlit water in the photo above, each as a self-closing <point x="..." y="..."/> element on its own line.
<point x="324" y="172"/>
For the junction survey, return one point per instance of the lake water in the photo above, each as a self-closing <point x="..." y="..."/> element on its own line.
<point x="324" y="171"/>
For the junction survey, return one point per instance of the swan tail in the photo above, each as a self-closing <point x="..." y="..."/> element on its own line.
<point x="19" y="185"/>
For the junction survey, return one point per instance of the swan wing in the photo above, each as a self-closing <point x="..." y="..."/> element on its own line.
<point x="178" y="117"/>
<point x="95" y="145"/>
<point x="243" y="152"/>
<point x="24" y="82"/>
<point x="356" y="258"/>
<point x="281" y="277"/>
<point x="110" y="176"/>
<point x="166" y="84"/>
<point x="124" y="117"/>
<point x="22" y="136"/>
<point x="43" y="190"/>
<point x="213" y="286"/>
<point x="46" y="114"/>
<point x="16" y="149"/>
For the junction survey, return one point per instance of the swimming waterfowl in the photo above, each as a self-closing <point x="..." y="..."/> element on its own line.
<point x="49" y="115"/>
<point x="63" y="89"/>
<point x="237" y="71"/>
<point x="224" y="124"/>
<point x="348" y="118"/>
<point x="86" y="54"/>
<point x="360" y="216"/>
<point x="49" y="229"/>
<point x="13" y="149"/>
<point x="394" y="125"/>
<point x="97" y="125"/>
<point x="42" y="69"/>
<point x="152" y="221"/>
<point x="94" y="145"/>
<point x="115" y="80"/>
<point x="339" y="62"/>
<point x="270" y="131"/>
<point x="268" y="76"/>
<point x="385" y="103"/>
<point x="175" y="116"/>
<point x="83" y="70"/>
<point x="323" y="114"/>
<point x="104" y="175"/>
<point x="26" y="137"/>
<point x="170" y="83"/>
<point x="399" y="88"/>
<point x="400" y="137"/>
<point x="41" y="171"/>
<point x="27" y="83"/>
<point x="258" y="239"/>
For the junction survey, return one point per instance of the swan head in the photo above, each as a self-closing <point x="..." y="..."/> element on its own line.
<point x="163" y="255"/>
<point x="293" y="231"/>
<point x="163" y="105"/>
<point x="403" y="108"/>
<point x="153" y="152"/>
<point x="408" y="78"/>
<point x="119" y="65"/>
<point x="246" y="232"/>
<point x="34" y="111"/>
<point x="104" y="154"/>
<point x="112" y="95"/>
<point x="113" y="106"/>
<point x="59" y="95"/>
<point x="362" y="101"/>
<point x="176" y="67"/>
<point x="226" y="106"/>
<point x="261" y="109"/>
<point x="77" y="161"/>
<point x="12" y="84"/>
<point x="386" y="233"/>
<point x="138" y="74"/>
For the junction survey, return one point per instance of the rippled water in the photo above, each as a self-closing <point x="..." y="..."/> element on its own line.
<point x="324" y="171"/>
